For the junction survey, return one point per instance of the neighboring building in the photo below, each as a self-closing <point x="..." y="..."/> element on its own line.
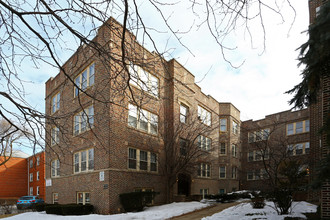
<point x="277" y="137"/>
<point x="36" y="175"/>
<point x="122" y="148"/>
<point x="319" y="115"/>
<point x="22" y="175"/>
<point x="13" y="176"/>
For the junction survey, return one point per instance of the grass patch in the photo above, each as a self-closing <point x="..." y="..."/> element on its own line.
<point x="8" y="215"/>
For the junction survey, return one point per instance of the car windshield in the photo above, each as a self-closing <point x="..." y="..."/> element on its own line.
<point x="26" y="198"/>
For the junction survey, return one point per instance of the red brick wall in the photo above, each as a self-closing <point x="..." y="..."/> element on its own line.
<point x="13" y="178"/>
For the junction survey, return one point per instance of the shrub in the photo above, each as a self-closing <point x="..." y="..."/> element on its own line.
<point x="69" y="209"/>
<point x="136" y="201"/>
<point x="258" y="202"/>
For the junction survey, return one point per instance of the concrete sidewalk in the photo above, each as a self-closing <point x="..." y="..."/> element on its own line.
<point x="208" y="211"/>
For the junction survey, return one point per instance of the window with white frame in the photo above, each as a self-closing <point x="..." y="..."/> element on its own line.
<point x="31" y="191"/>
<point x="223" y="124"/>
<point x="298" y="149"/>
<point x="142" y="160"/>
<point x="204" y="192"/>
<point x="234" y="172"/>
<point x="31" y="162"/>
<point x="84" y="160"/>
<point x="234" y="150"/>
<point x="142" y="119"/>
<point x="55" y="168"/>
<point x="56" y="102"/>
<point x="38" y="175"/>
<point x="85" y="79"/>
<point x="83" y="198"/>
<point x="222" y="172"/>
<point x="204" y="170"/>
<point x="38" y="191"/>
<point x="55" y="136"/>
<point x="257" y="174"/>
<point x="55" y="198"/>
<point x="235" y="127"/>
<point x="143" y="80"/>
<point x="38" y="161"/>
<point x="83" y="120"/>
<point x="223" y="149"/>
<point x="183" y="113"/>
<point x="297" y="127"/>
<point x="31" y="177"/>
<point x="204" y="115"/>
<point x="204" y="143"/>
<point x="258" y="155"/>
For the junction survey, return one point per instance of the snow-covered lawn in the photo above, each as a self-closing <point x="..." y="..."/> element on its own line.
<point x="242" y="211"/>
<point x="156" y="212"/>
<point x="245" y="211"/>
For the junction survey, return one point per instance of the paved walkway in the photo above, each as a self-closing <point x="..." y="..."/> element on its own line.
<point x="199" y="214"/>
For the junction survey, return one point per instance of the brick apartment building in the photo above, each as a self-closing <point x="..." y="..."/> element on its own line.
<point x="123" y="147"/>
<point x="22" y="175"/>
<point x="277" y="137"/>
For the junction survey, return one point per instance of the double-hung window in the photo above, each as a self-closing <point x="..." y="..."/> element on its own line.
<point x="223" y="124"/>
<point x="55" y="135"/>
<point x="204" y="170"/>
<point x="56" y="102"/>
<point x="235" y="127"/>
<point x="223" y="149"/>
<point x="142" y="119"/>
<point x="234" y="150"/>
<point x="83" y="198"/>
<point x="55" y="168"/>
<point x="31" y="177"/>
<point x="143" y="80"/>
<point x="85" y="79"/>
<point x="83" y="161"/>
<point x="183" y="113"/>
<point x="222" y="172"/>
<point x="297" y="127"/>
<point x="84" y="120"/>
<point x="234" y="172"/>
<point x="142" y="160"/>
<point x="183" y="147"/>
<point x="204" y="115"/>
<point x="204" y="143"/>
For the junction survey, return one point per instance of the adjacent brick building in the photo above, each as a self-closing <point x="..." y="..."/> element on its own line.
<point x="22" y="175"/>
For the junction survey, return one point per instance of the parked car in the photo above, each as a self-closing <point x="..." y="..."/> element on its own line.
<point x="28" y="202"/>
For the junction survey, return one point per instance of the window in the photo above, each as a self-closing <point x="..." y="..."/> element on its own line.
<point x="31" y="162"/>
<point x="259" y="135"/>
<point x="223" y="124"/>
<point x="257" y="175"/>
<point x="142" y="119"/>
<point x="204" y="143"/>
<point x="56" y="102"/>
<point x="251" y="156"/>
<point x="223" y="149"/>
<point x="258" y="155"/>
<point x="55" y="136"/>
<point x="266" y="133"/>
<point x="84" y="161"/>
<point x="297" y="127"/>
<point x="55" y="168"/>
<point x="183" y="113"/>
<point x="251" y="137"/>
<point x="38" y="176"/>
<point x="31" y="177"/>
<point x="38" y="161"/>
<point x="222" y="191"/>
<point x="204" y="116"/>
<point x="183" y="147"/>
<point x="83" y="198"/>
<point x="84" y="120"/>
<point x="234" y="172"/>
<point x="55" y="198"/>
<point x="204" y="170"/>
<point x="235" y="127"/>
<point x="222" y="172"/>
<point x="250" y="175"/>
<point x="204" y="192"/>
<point x="234" y="150"/>
<point x="38" y="191"/>
<point x="142" y="160"/>
<point x="84" y="79"/>
<point x="298" y="149"/>
<point x="143" y="79"/>
<point x="31" y="191"/>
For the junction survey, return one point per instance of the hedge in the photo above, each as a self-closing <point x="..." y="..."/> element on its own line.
<point x="69" y="209"/>
<point x="136" y="201"/>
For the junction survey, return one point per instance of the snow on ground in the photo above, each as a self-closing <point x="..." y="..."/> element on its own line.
<point x="244" y="211"/>
<point x="154" y="213"/>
